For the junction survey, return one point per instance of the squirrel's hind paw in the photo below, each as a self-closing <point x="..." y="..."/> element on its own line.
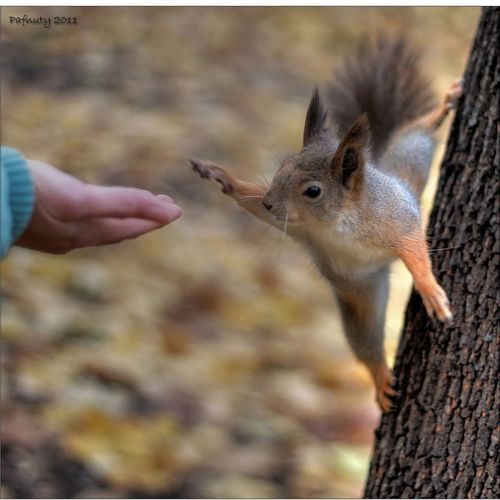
<point x="454" y="94"/>
<point x="386" y="396"/>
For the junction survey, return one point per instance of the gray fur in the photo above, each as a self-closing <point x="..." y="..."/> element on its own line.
<point x="409" y="157"/>
<point x="384" y="81"/>
<point x="365" y="331"/>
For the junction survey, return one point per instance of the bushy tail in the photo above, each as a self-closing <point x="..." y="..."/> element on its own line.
<point x="383" y="79"/>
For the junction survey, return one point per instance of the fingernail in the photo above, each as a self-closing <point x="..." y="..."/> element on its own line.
<point x="165" y="197"/>
<point x="167" y="213"/>
<point x="175" y="211"/>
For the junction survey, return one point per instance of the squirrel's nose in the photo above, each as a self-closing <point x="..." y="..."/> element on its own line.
<point x="267" y="205"/>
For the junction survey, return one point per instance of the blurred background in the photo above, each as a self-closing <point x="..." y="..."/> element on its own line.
<point x="206" y="359"/>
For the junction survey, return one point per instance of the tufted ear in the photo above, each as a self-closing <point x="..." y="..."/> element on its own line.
<point x="316" y="118"/>
<point x="350" y="157"/>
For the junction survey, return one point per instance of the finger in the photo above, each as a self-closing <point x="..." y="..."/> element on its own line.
<point x="165" y="197"/>
<point x="123" y="202"/>
<point x="105" y="231"/>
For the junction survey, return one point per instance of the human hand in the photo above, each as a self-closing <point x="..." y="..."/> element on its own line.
<point x="70" y="214"/>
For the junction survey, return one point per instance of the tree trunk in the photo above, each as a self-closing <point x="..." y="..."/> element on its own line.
<point x="442" y="441"/>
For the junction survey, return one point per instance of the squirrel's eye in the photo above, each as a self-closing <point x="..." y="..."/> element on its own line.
<point x="312" y="192"/>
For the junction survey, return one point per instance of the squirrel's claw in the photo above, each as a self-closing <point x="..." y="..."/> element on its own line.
<point x="200" y="168"/>
<point x="436" y="302"/>
<point x="386" y="396"/>
<point x="211" y="171"/>
<point x="454" y="94"/>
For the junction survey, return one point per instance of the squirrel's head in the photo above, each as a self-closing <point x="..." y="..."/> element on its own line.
<point x="317" y="183"/>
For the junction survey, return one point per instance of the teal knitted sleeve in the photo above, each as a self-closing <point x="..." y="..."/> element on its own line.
<point x="17" y="197"/>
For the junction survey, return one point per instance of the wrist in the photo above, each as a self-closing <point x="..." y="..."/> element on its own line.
<point x="21" y="192"/>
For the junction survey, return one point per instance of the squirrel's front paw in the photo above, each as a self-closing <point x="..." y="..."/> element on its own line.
<point x="436" y="303"/>
<point x="208" y="170"/>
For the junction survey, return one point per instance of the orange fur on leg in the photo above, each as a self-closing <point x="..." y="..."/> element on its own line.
<point x="414" y="253"/>
<point x="249" y="196"/>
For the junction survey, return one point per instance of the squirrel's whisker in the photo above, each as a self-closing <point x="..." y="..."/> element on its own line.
<point x="249" y="197"/>
<point x="263" y="244"/>
<point x="264" y="178"/>
<point x="445" y="248"/>
<point x="283" y="234"/>
<point x="286" y="224"/>
<point x="266" y="182"/>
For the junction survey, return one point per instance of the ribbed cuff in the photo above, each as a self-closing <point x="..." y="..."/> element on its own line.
<point x="21" y="190"/>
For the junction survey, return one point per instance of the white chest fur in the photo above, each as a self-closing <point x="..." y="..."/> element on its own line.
<point x="343" y="252"/>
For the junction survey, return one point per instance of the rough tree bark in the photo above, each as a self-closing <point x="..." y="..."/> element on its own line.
<point x="442" y="441"/>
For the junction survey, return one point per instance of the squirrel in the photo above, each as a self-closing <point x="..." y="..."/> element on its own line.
<point x="351" y="195"/>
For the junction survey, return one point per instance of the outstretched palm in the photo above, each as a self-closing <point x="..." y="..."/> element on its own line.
<point x="70" y="214"/>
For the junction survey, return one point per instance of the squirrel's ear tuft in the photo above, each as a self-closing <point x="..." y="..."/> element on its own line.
<point x="349" y="159"/>
<point x="316" y="118"/>
<point x="359" y="131"/>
